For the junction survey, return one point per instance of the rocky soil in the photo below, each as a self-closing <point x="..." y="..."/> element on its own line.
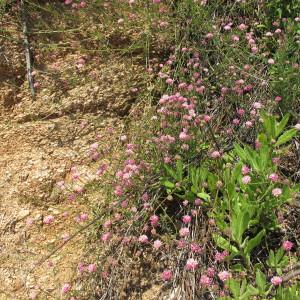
<point x="41" y="140"/>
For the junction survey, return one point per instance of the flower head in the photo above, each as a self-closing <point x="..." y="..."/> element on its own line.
<point x="205" y="281"/>
<point x="183" y="232"/>
<point x="224" y="275"/>
<point x="287" y="245"/>
<point x="143" y="239"/>
<point x="276" y="192"/>
<point x="191" y="264"/>
<point x="167" y="275"/>
<point x="276" y="280"/>
<point x="48" y="220"/>
<point x="66" y="288"/>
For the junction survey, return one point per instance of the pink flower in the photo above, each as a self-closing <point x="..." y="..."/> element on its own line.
<point x="257" y="105"/>
<point x="154" y="220"/>
<point x="220" y="256"/>
<point x="143" y="239"/>
<point x="215" y="154"/>
<point x="246" y="179"/>
<point x="166" y="275"/>
<point x="84" y="217"/>
<point x="248" y="124"/>
<point x="67" y="2"/>
<point x="287" y="245"/>
<point x="271" y="61"/>
<point x="195" y="248"/>
<point x="207" y="118"/>
<point x="242" y="27"/>
<point x="235" y="38"/>
<point x="278" y="98"/>
<point x="181" y="244"/>
<point x="48" y="220"/>
<point x="241" y="111"/>
<point x="297" y="126"/>
<point x="92" y="268"/>
<point x="224" y="275"/>
<point x="205" y="281"/>
<point x="276" y="192"/>
<point x="186" y="219"/>
<point x="66" y="288"/>
<point x="105" y="236"/>
<point x="183" y="232"/>
<point x="211" y="272"/>
<point x="245" y="170"/>
<point x="157" y="244"/>
<point x="276" y="280"/>
<point x="209" y="36"/>
<point x="198" y="201"/>
<point x="273" y="177"/>
<point x="191" y="264"/>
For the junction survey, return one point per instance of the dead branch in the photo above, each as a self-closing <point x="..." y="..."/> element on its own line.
<point x="27" y="48"/>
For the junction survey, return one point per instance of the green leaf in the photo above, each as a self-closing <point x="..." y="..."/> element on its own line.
<point x="254" y="242"/>
<point x="281" y="125"/>
<point x="203" y="195"/>
<point x="240" y="151"/>
<point x="261" y="280"/>
<point x="168" y="184"/>
<point x="286" y="137"/>
<point x="179" y="169"/>
<point x="239" y="224"/>
<point x="224" y="244"/>
<point x="171" y="172"/>
<point x="234" y="287"/>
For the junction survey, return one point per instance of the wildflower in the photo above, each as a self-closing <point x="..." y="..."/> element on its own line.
<point x="257" y="105"/>
<point x="276" y="280"/>
<point x="154" y="220"/>
<point x="205" y="281"/>
<point x="157" y="244"/>
<point x="248" y="124"/>
<point x="224" y="275"/>
<point x="207" y="118"/>
<point x="84" y="217"/>
<point x="278" y="98"/>
<point x="48" y="220"/>
<point x="66" y="288"/>
<point x="92" y="268"/>
<point x="181" y="244"/>
<point x="273" y="177"/>
<point x="235" y="38"/>
<point x="81" y="267"/>
<point x="220" y="256"/>
<point x="287" y="245"/>
<point x="246" y="179"/>
<point x="186" y="219"/>
<point x="198" y="201"/>
<point x="105" y="236"/>
<point x="276" y="192"/>
<point x="191" y="264"/>
<point x="183" y="232"/>
<point x="215" y="154"/>
<point x="195" y="248"/>
<point x="167" y="275"/>
<point x="271" y="61"/>
<point x="209" y="36"/>
<point x="242" y="27"/>
<point x="297" y="126"/>
<point x="241" y="111"/>
<point x="245" y="170"/>
<point x="211" y="272"/>
<point x="143" y="239"/>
